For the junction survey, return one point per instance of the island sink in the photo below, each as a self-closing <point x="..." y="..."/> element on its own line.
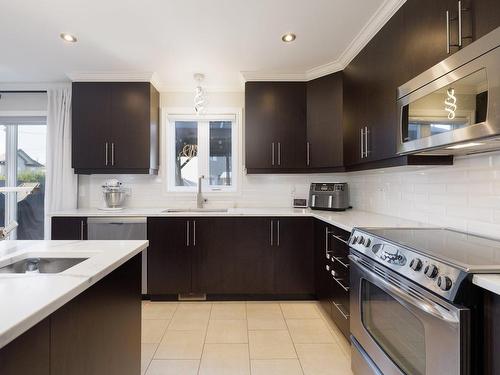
<point x="41" y="265"/>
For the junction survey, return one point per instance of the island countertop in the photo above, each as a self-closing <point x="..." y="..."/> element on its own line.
<point x="26" y="299"/>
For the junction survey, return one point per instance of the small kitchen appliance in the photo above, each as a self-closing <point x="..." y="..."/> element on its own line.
<point x="413" y="306"/>
<point x="333" y="196"/>
<point x="114" y="194"/>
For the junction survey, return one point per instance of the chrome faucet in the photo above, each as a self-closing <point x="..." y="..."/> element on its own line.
<point x="199" y="197"/>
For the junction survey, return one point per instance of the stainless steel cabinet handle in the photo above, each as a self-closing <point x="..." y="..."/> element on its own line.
<point x="362" y="145"/>
<point x="459" y="24"/>
<point x="279" y="153"/>
<point x="366" y="142"/>
<point x="106" y="148"/>
<point x="327" y="267"/>
<point x="337" y="259"/>
<point x="194" y="233"/>
<point x="339" y="281"/>
<point x="308" y="153"/>
<point x="447" y="32"/>
<point x="82" y="234"/>
<point x="278" y="233"/>
<point x="112" y="153"/>
<point x="272" y="153"/>
<point x="272" y="230"/>
<point x="327" y="250"/>
<point x="187" y="233"/>
<point x="337" y="305"/>
<point x="340" y="239"/>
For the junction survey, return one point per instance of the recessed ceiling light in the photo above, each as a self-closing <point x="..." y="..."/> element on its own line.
<point x="464" y="145"/>
<point x="68" y="37"/>
<point x="288" y="37"/>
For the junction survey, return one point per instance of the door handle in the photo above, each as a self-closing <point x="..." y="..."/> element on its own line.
<point x="362" y="145"/>
<point x="278" y="233"/>
<point x="366" y="141"/>
<point x="308" y="157"/>
<point x="272" y="153"/>
<point x="187" y="232"/>
<point x="279" y="153"/>
<point x="194" y="232"/>
<point x="112" y="153"/>
<point x="459" y="24"/>
<point x="106" y="147"/>
<point x="272" y="230"/>
<point x="447" y="32"/>
<point x="337" y="305"/>
<point x="82" y="231"/>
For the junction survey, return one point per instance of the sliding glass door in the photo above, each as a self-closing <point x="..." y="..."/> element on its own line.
<point x="22" y="164"/>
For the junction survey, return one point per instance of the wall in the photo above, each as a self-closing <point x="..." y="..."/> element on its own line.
<point x="17" y="103"/>
<point x="465" y="196"/>
<point x="254" y="190"/>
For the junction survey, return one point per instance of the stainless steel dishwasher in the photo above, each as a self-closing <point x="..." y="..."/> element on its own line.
<point x="121" y="228"/>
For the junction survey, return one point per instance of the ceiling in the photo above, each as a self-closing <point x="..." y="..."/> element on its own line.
<point x="176" y="38"/>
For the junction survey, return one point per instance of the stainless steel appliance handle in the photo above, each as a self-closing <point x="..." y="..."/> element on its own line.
<point x="459" y="24"/>
<point x="194" y="232"/>
<point x="107" y="151"/>
<point x="447" y="32"/>
<point x="346" y="316"/>
<point x="362" y="145"/>
<point x="313" y="203"/>
<point x="308" y="153"/>
<point x="112" y="153"/>
<point x="82" y="224"/>
<point x="366" y="142"/>
<point x="117" y="220"/>
<point x="278" y="233"/>
<point x="187" y="232"/>
<point x="272" y="153"/>
<point x="279" y="153"/>
<point x="422" y="304"/>
<point x="272" y="230"/>
<point x="339" y="281"/>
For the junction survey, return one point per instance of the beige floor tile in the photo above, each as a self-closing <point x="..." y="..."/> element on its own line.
<point x="265" y="316"/>
<point x="228" y="311"/>
<point x="173" y="367"/>
<point x="312" y="331"/>
<point x="153" y="330"/>
<point x="225" y="359"/>
<point x="227" y="332"/>
<point x="158" y="310"/>
<point x="275" y="367"/>
<point x="181" y="345"/>
<point x="271" y="345"/>
<point x="147" y="352"/>
<point x="323" y="359"/>
<point x="300" y="310"/>
<point x="193" y="317"/>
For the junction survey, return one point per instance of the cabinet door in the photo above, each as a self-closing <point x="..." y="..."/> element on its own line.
<point x="291" y="125"/>
<point x="236" y="255"/>
<point x="261" y="131"/>
<point x="169" y="256"/>
<point x="91" y="124"/>
<point x="486" y="16"/>
<point x="324" y="121"/>
<point x="293" y="256"/>
<point x="69" y="228"/>
<point x="130" y="113"/>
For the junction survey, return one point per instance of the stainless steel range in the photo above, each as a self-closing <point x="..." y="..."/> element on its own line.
<point x="412" y="299"/>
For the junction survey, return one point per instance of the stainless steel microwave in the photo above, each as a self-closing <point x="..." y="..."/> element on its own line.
<point x="454" y="107"/>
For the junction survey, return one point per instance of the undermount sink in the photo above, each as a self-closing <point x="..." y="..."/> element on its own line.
<point x="195" y="210"/>
<point x="41" y="265"/>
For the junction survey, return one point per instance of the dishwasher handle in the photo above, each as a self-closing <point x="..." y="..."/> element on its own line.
<point x="117" y="220"/>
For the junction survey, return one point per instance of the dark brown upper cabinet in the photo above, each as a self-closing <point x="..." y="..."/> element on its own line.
<point x="115" y="128"/>
<point x="324" y="122"/>
<point x="275" y="126"/>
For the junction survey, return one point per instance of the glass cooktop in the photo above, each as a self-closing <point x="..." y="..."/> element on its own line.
<point x="469" y="252"/>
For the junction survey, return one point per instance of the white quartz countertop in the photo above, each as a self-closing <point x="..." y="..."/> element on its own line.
<point x="346" y="220"/>
<point x="489" y="282"/>
<point x="26" y="299"/>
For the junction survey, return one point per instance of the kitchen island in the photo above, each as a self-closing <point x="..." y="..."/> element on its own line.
<point x="85" y="319"/>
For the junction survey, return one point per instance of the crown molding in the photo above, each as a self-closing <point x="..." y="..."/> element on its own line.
<point x="115" y="76"/>
<point x="32" y="86"/>
<point x="384" y="12"/>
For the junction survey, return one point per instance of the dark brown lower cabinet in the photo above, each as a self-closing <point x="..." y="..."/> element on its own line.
<point x="491" y="329"/>
<point x="98" y="332"/>
<point x="332" y="273"/>
<point x="69" y="228"/>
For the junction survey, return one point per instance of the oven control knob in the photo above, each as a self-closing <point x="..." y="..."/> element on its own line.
<point x="416" y="264"/>
<point x="431" y="271"/>
<point x="444" y="283"/>
<point x="368" y="242"/>
<point x="354" y="240"/>
<point x="361" y="240"/>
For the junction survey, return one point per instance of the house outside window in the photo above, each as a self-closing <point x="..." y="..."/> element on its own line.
<point x="22" y="163"/>
<point x="205" y="145"/>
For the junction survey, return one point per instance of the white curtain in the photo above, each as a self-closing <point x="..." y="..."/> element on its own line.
<point x="61" y="187"/>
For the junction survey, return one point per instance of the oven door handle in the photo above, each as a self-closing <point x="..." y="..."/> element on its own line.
<point x="423" y="304"/>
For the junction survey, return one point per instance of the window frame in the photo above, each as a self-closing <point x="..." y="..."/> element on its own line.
<point x="170" y="115"/>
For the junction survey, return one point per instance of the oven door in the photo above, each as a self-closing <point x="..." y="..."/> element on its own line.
<point x="402" y="328"/>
